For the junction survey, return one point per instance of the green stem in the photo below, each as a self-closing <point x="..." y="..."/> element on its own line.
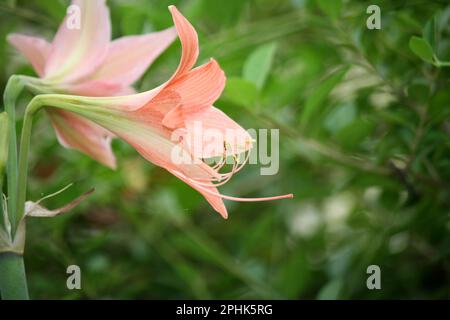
<point x="13" y="89"/>
<point x="13" y="283"/>
<point x="441" y="64"/>
<point x="32" y="107"/>
<point x="3" y="156"/>
<point x="2" y="219"/>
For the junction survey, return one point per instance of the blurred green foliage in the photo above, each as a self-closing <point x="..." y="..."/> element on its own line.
<point x="364" y="119"/>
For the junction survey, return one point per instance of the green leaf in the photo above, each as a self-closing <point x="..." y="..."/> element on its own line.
<point x="321" y="93"/>
<point x="429" y="32"/>
<point x="419" y="92"/>
<point x="438" y="108"/>
<point x="241" y="92"/>
<point x="332" y="8"/>
<point x="340" y="116"/>
<point x="353" y="134"/>
<point x="296" y="266"/>
<point x="3" y="161"/>
<point x="395" y="117"/>
<point x="421" y="48"/>
<point x="258" y="64"/>
<point x="331" y="290"/>
<point x="3" y="143"/>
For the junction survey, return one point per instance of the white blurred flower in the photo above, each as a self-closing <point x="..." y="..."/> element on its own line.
<point x="381" y="99"/>
<point x="337" y="208"/>
<point x="372" y="194"/>
<point x="398" y="242"/>
<point x="306" y="221"/>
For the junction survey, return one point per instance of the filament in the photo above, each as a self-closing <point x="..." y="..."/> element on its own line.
<point x="199" y="186"/>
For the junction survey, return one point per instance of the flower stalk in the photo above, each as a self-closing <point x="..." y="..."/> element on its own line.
<point x="13" y="284"/>
<point x="32" y="107"/>
<point x="13" y="88"/>
<point x="3" y="157"/>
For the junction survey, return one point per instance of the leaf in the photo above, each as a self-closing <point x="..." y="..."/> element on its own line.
<point x="34" y="209"/>
<point x="421" y="48"/>
<point x="418" y="92"/>
<point x="332" y="8"/>
<point x="442" y="19"/>
<point x="331" y="290"/>
<point x="8" y="242"/>
<point x="3" y="160"/>
<point x="395" y="117"/>
<point x="5" y="225"/>
<point x="321" y="93"/>
<point x="340" y="116"/>
<point x="353" y="134"/>
<point x="438" y="109"/>
<point x="241" y="92"/>
<point x="295" y="267"/>
<point x="430" y="31"/>
<point x="3" y="143"/>
<point x="258" y="64"/>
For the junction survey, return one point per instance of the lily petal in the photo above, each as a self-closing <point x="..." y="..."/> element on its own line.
<point x="215" y="201"/>
<point x="190" y="50"/>
<point x="83" y="135"/>
<point x="202" y="86"/>
<point x="189" y="41"/>
<point x="77" y="52"/>
<point x="143" y="130"/>
<point x="198" y="89"/>
<point x="156" y="146"/>
<point x="211" y="129"/>
<point x="159" y="150"/>
<point x="96" y="88"/>
<point x="129" y="57"/>
<point x="34" y="49"/>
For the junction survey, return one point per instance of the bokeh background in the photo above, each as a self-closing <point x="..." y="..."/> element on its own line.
<point x="364" y="146"/>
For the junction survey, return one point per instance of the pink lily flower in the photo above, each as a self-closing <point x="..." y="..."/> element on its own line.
<point x="85" y="62"/>
<point x="158" y="122"/>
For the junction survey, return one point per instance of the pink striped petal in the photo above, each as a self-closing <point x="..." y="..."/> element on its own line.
<point x="189" y="52"/>
<point x="211" y="129"/>
<point x="155" y="146"/>
<point x="93" y="88"/>
<point x="35" y="49"/>
<point x="76" y="53"/>
<point x="215" y="201"/>
<point x="174" y="118"/>
<point x="198" y="89"/>
<point x="129" y="57"/>
<point x="189" y="41"/>
<point x="83" y="135"/>
<point x="98" y="88"/>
